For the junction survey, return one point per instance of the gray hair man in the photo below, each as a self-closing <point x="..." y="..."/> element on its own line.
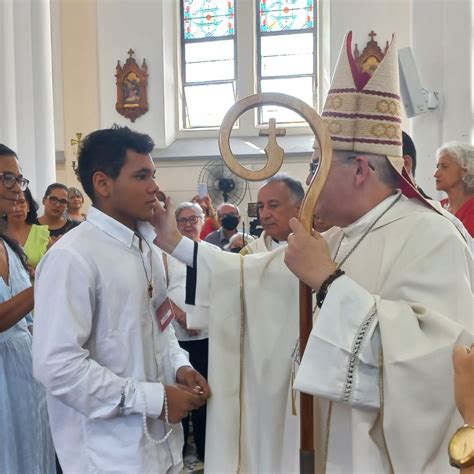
<point x="278" y="200"/>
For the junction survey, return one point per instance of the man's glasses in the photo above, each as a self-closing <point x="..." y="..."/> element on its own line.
<point x="313" y="165"/>
<point x="182" y="221"/>
<point x="10" y="179"/>
<point x="54" y="200"/>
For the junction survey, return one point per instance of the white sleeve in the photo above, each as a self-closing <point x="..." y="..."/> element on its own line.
<point x="341" y="358"/>
<point x="65" y="298"/>
<point x="184" y="251"/>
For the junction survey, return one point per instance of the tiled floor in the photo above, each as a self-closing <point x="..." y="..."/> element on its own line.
<point x="191" y="462"/>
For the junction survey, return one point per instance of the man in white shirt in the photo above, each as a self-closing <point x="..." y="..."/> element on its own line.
<point x="278" y="200"/>
<point x="117" y="382"/>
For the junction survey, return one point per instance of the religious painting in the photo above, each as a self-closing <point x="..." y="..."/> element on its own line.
<point x="371" y="55"/>
<point x="132" y="82"/>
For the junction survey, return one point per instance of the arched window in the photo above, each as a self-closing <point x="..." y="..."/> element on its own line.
<point x="280" y="53"/>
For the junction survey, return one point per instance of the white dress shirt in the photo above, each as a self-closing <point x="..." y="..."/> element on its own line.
<point x="97" y="347"/>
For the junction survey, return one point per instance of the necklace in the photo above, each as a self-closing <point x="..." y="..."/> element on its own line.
<point x="149" y="279"/>
<point x="364" y="235"/>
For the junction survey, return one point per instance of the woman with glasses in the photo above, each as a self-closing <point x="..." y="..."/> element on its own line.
<point x="75" y="202"/>
<point x="22" y="225"/>
<point x="26" y="444"/>
<point x="55" y="203"/>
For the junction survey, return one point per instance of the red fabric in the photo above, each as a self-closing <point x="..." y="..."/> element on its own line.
<point x="207" y="228"/>
<point x="408" y="188"/>
<point x="360" y="78"/>
<point x="466" y="215"/>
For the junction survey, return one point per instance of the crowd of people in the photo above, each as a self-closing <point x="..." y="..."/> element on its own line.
<point x="149" y="318"/>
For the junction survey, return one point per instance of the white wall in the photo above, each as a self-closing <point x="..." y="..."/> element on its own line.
<point x="148" y="28"/>
<point x="443" y="48"/>
<point x="439" y="31"/>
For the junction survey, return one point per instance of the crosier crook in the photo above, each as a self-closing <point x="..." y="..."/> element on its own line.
<point x="274" y="154"/>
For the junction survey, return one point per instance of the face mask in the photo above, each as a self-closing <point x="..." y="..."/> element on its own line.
<point x="230" y="222"/>
<point x="236" y="249"/>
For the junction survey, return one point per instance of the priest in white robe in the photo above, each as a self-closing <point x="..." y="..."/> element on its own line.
<point x="378" y="360"/>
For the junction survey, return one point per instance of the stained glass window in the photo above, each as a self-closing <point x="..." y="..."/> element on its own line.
<point x="208" y="59"/>
<point x="285" y="15"/>
<point x="279" y="55"/>
<point x="208" y="18"/>
<point x="286" y="45"/>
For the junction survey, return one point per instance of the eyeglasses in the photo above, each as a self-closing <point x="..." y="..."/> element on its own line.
<point x="313" y="165"/>
<point x="10" y="179"/>
<point x="54" y="200"/>
<point x="182" y="221"/>
<point x="227" y="214"/>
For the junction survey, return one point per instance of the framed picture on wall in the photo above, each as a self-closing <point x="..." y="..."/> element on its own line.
<point x="132" y="88"/>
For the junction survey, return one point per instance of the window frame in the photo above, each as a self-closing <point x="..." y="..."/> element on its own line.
<point x="234" y="82"/>
<point x="246" y="68"/>
<point x="258" y="72"/>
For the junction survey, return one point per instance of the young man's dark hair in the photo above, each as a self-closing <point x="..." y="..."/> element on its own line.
<point x="106" y="150"/>
<point x="410" y="150"/>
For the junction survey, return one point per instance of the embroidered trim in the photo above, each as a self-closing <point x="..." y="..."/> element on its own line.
<point x="356" y="348"/>
<point x="364" y="91"/>
<point x="366" y="140"/>
<point x="388" y="118"/>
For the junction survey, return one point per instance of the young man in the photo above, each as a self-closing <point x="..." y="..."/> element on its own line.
<point x="116" y="379"/>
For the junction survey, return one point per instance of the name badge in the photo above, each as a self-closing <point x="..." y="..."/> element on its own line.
<point x="164" y="314"/>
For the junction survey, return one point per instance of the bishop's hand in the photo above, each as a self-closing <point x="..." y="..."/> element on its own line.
<point x="164" y="222"/>
<point x="307" y="256"/>
<point x="463" y="361"/>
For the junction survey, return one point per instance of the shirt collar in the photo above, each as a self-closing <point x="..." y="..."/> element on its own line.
<point x="117" y="230"/>
<point x="222" y="236"/>
<point x="361" y="224"/>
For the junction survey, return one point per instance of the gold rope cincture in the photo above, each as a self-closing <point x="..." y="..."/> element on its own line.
<point x="382" y="407"/>
<point x="326" y="441"/>
<point x="241" y="368"/>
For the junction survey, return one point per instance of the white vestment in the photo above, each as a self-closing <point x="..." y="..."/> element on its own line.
<point x="264" y="243"/>
<point x="407" y="290"/>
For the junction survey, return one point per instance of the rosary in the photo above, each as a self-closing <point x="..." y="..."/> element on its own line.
<point x="149" y="279"/>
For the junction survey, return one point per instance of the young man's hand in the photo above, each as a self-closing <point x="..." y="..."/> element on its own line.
<point x="181" y="400"/>
<point x="191" y="378"/>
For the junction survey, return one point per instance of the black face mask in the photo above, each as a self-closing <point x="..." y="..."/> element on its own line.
<point x="236" y="249"/>
<point x="230" y="222"/>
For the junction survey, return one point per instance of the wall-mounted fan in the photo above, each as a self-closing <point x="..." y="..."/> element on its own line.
<point x="222" y="185"/>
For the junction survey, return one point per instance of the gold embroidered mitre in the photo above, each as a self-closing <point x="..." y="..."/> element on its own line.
<point x="363" y="111"/>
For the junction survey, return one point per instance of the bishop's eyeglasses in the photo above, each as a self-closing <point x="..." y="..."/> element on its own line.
<point x="9" y="180"/>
